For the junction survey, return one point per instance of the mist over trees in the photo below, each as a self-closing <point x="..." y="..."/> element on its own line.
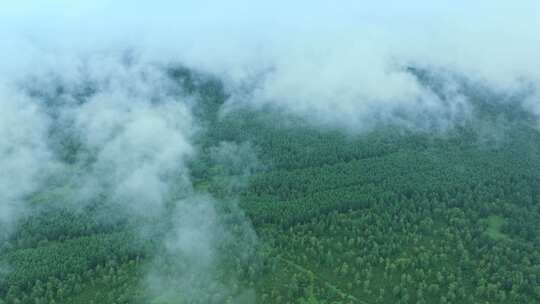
<point x="269" y="153"/>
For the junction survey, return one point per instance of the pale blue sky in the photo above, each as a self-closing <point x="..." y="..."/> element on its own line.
<point x="498" y="41"/>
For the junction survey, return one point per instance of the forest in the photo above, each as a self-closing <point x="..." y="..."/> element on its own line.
<point x="300" y="214"/>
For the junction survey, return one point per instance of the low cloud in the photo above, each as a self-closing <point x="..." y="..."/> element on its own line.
<point x="335" y="65"/>
<point x="25" y="158"/>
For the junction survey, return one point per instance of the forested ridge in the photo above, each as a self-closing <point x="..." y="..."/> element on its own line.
<point x="383" y="216"/>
